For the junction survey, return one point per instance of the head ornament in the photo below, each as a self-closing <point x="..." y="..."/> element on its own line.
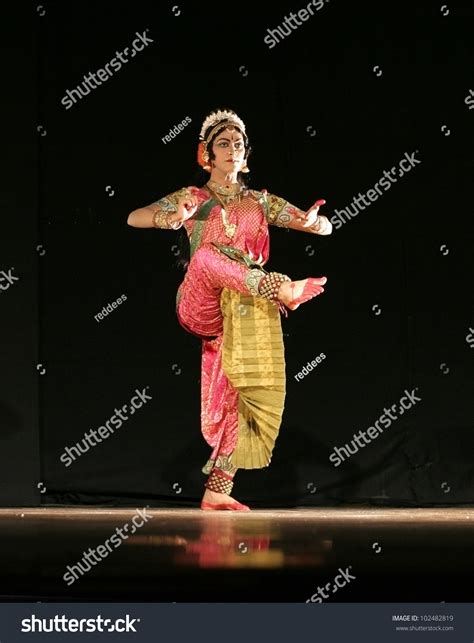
<point x="212" y="123"/>
<point x="217" y="117"/>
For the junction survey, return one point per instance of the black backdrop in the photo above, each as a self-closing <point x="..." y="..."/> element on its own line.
<point x="345" y="96"/>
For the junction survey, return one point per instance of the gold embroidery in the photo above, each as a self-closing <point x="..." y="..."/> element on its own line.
<point x="166" y="206"/>
<point x="276" y="213"/>
<point x="222" y="462"/>
<point x="252" y="280"/>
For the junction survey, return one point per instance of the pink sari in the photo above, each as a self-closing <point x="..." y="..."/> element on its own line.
<point x="200" y="307"/>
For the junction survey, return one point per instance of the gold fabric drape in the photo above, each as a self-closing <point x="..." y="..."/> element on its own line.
<point x="253" y="359"/>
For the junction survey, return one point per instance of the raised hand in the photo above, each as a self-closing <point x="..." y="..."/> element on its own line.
<point x="186" y="206"/>
<point x="310" y="217"/>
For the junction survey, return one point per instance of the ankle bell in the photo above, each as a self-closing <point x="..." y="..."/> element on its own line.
<point x="270" y="285"/>
<point x="219" y="482"/>
<point x="269" y="288"/>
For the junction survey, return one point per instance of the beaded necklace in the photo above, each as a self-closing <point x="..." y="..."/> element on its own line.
<point x="227" y="197"/>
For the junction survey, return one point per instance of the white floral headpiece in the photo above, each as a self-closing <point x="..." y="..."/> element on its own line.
<point x="217" y="117"/>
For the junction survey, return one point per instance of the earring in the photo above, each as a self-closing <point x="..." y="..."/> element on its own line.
<point x="205" y="157"/>
<point x="245" y="169"/>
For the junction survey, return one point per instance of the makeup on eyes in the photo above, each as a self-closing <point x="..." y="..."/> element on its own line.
<point x="226" y="140"/>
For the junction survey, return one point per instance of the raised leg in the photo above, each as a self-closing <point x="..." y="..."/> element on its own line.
<point x="210" y="271"/>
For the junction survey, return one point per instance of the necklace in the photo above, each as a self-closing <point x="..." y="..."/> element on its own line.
<point x="226" y="196"/>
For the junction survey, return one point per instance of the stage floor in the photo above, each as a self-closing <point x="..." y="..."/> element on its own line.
<point x="361" y="554"/>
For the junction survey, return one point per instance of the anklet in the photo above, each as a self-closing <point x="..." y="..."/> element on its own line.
<point x="219" y="482"/>
<point x="269" y="287"/>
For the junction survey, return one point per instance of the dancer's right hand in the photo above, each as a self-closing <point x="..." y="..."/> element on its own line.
<point x="187" y="206"/>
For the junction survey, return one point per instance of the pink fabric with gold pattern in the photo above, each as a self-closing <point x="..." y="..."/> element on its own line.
<point x="209" y="271"/>
<point x="219" y="401"/>
<point x="198" y="310"/>
<point x="251" y="234"/>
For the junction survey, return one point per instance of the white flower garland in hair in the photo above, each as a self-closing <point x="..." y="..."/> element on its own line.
<point x="221" y="115"/>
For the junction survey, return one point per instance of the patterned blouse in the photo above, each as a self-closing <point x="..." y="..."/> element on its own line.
<point x="252" y="215"/>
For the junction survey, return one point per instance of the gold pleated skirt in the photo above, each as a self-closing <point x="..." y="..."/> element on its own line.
<point x="253" y="359"/>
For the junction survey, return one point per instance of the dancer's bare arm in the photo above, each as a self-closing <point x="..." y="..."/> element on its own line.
<point x="169" y="216"/>
<point x="143" y="217"/>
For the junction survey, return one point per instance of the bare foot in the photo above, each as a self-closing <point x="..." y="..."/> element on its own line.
<point x="300" y="291"/>
<point x="219" y="498"/>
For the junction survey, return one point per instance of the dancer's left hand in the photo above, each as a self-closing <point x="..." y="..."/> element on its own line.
<point x="311" y="216"/>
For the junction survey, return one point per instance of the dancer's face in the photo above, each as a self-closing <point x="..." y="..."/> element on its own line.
<point x="229" y="152"/>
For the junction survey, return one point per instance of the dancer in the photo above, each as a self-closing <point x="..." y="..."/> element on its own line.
<point x="232" y="304"/>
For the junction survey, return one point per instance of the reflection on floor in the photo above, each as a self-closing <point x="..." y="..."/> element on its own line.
<point x="185" y="555"/>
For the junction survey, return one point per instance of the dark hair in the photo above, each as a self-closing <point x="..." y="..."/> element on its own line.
<point x="201" y="177"/>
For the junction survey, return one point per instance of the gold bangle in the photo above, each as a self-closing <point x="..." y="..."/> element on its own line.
<point x="155" y="218"/>
<point x="160" y="219"/>
<point x="176" y="225"/>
